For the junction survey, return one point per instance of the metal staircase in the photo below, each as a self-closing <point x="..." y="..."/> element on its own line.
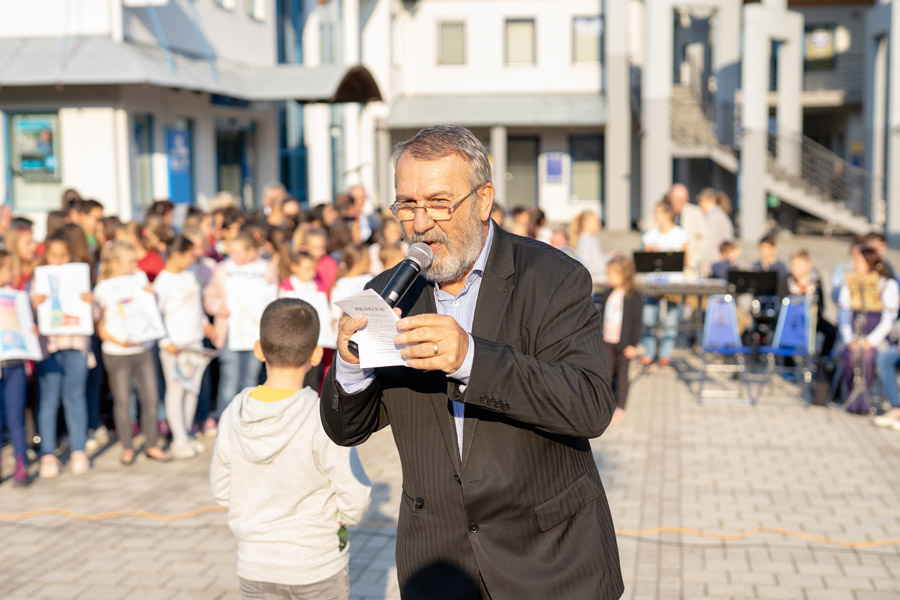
<point x="799" y="171"/>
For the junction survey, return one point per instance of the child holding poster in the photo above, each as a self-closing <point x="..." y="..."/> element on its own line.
<point x="126" y="326"/>
<point x="13" y="389"/>
<point x="241" y="288"/>
<point x="178" y="294"/>
<point x="63" y="373"/>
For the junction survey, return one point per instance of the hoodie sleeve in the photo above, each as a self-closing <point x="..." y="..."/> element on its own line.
<point x="348" y="478"/>
<point x="220" y="469"/>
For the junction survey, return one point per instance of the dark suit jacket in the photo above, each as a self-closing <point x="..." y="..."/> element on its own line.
<point x="524" y="509"/>
<point x="632" y="318"/>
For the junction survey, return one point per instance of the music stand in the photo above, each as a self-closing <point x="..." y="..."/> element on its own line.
<point x="658" y="262"/>
<point x="762" y="283"/>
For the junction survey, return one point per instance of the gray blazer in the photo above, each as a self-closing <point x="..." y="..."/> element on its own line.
<point x="524" y="513"/>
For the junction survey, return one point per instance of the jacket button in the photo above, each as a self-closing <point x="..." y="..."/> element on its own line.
<point x="456" y="477"/>
<point x="483" y="399"/>
<point x="419" y="503"/>
<point x="473" y="527"/>
<point x="506" y="406"/>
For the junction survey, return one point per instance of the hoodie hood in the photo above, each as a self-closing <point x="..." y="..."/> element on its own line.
<point x="264" y="428"/>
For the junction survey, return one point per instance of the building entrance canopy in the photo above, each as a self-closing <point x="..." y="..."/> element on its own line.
<point x="103" y="61"/>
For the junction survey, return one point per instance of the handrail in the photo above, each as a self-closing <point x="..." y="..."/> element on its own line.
<point x="823" y="172"/>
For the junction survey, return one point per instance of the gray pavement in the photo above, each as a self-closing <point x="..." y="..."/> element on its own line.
<point x="721" y="468"/>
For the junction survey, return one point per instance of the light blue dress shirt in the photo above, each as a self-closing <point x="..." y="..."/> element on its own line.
<point x="461" y="307"/>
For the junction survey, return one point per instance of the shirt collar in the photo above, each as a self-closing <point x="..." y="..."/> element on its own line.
<point x="478" y="268"/>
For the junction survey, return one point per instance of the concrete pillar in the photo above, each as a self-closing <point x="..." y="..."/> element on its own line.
<point x="384" y="166"/>
<point x="727" y="65"/>
<point x="352" y="162"/>
<point x="617" y="140"/>
<point x="498" y="155"/>
<point x="318" y="152"/>
<point x="892" y="169"/>
<point x="789" y="114"/>
<point x="874" y="104"/>
<point x="755" y="78"/>
<point x="350" y="34"/>
<point x="656" y="93"/>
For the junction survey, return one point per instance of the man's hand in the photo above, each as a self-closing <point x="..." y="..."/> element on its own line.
<point x="630" y="352"/>
<point x="430" y="332"/>
<point x="348" y="326"/>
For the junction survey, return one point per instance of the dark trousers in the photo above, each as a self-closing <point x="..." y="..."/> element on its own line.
<point x="829" y="333"/>
<point x="120" y="372"/>
<point x="618" y="374"/>
<point x="14" y="390"/>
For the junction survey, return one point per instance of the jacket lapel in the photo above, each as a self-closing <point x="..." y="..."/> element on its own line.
<point x="493" y="299"/>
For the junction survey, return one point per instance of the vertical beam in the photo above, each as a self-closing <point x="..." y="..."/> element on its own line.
<point x="892" y="168"/>
<point x="384" y="167"/>
<point x="727" y="65"/>
<point x="656" y="93"/>
<point x="789" y="113"/>
<point x="755" y="78"/>
<point x="617" y="140"/>
<point x="498" y="154"/>
<point x="874" y="105"/>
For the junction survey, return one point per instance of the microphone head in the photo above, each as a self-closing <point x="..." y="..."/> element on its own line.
<point x="421" y="254"/>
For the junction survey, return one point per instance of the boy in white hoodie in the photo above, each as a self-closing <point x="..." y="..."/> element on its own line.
<point x="289" y="489"/>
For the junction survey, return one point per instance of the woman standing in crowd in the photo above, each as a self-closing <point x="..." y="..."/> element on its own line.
<point x="63" y="373"/>
<point x="14" y="391"/>
<point x="126" y="362"/>
<point x="20" y="244"/>
<point x="583" y="232"/>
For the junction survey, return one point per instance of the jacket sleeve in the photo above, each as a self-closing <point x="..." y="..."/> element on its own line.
<point x="351" y="485"/>
<point x="220" y="470"/>
<point x="562" y="385"/>
<point x="633" y="323"/>
<point x="349" y="419"/>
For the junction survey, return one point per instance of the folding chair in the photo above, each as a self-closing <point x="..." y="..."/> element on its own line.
<point x="722" y="339"/>
<point x="795" y="338"/>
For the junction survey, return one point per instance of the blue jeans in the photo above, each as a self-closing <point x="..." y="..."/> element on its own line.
<point x="238" y="369"/>
<point x="96" y="378"/>
<point x="13" y="396"/>
<point x="669" y="328"/>
<point x="64" y="374"/>
<point x="886" y="363"/>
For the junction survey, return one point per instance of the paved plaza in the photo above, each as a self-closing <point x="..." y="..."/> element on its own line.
<point x="722" y="468"/>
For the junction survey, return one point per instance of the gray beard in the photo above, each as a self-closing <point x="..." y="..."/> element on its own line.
<point x="459" y="258"/>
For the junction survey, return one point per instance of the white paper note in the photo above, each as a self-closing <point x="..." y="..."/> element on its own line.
<point x="376" y="339"/>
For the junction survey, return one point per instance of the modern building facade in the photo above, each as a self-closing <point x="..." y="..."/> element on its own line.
<point x="788" y="105"/>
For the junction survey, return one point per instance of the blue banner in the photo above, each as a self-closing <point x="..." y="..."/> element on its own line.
<point x="178" y="150"/>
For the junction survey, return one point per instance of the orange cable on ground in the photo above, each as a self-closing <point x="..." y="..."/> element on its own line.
<point x="623" y="532"/>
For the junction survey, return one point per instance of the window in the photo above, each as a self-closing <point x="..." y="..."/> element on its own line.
<point x="520" y="41"/>
<point x="256" y="9"/>
<point x="142" y="162"/>
<point x="587" y="166"/>
<point x="819" y="48"/>
<point x="587" y="36"/>
<point x="452" y="49"/>
<point x="34" y="160"/>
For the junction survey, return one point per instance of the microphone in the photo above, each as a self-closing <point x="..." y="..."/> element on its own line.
<point x="418" y="258"/>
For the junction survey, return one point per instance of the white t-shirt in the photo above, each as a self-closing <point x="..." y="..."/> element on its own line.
<point x="116" y="308"/>
<point x="178" y="296"/>
<point x="247" y="294"/>
<point x="673" y="241"/>
<point x="613" y="313"/>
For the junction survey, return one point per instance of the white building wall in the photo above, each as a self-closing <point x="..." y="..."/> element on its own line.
<point x="485" y="71"/>
<point x="196" y="27"/>
<point x="56" y="18"/>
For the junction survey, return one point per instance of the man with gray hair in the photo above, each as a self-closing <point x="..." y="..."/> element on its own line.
<point x="504" y="383"/>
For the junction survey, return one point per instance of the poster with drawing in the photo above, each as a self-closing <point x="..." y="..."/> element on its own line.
<point x="247" y="293"/>
<point x="18" y="341"/>
<point x="319" y="301"/>
<point x="64" y="312"/>
<point x="136" y="308"/>
<point x="190" y="364"/>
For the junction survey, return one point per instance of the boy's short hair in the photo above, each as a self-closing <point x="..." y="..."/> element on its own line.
<point x="726" y="246"/>
<point x="768" y="239"/>
<point x="89" y="205"/>
<point x="246" y="238"/>
<point x="875" y="237"/>
<point x="801" y="254"/>
<point x="288" y="332"/>
<point x="299" y="257"/>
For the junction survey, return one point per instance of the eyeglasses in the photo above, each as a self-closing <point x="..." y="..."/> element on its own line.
<point x="436" y="211"/>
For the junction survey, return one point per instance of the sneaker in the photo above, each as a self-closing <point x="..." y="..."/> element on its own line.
<point x="92" y="445"/>
<point x="646" y="361"/>
<point x="197" y="445"/>
<point x="664" y="362"/>
<point x="887" y="419"/>
<point x="21" y="477"/>
<point x="209" y="427"/>
<point x="79" y="464"/>
<point x="183" y="450"/>
<point x="101" y="434"/>
<point x="49" y="467"/>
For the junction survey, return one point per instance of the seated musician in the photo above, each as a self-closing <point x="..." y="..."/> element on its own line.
<point x="666" y="236"/>
<point x="868" y="301"/>
<point x="806" y="280"/>
<point x="729" y="254"/>
<point x="769" y="261"/>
